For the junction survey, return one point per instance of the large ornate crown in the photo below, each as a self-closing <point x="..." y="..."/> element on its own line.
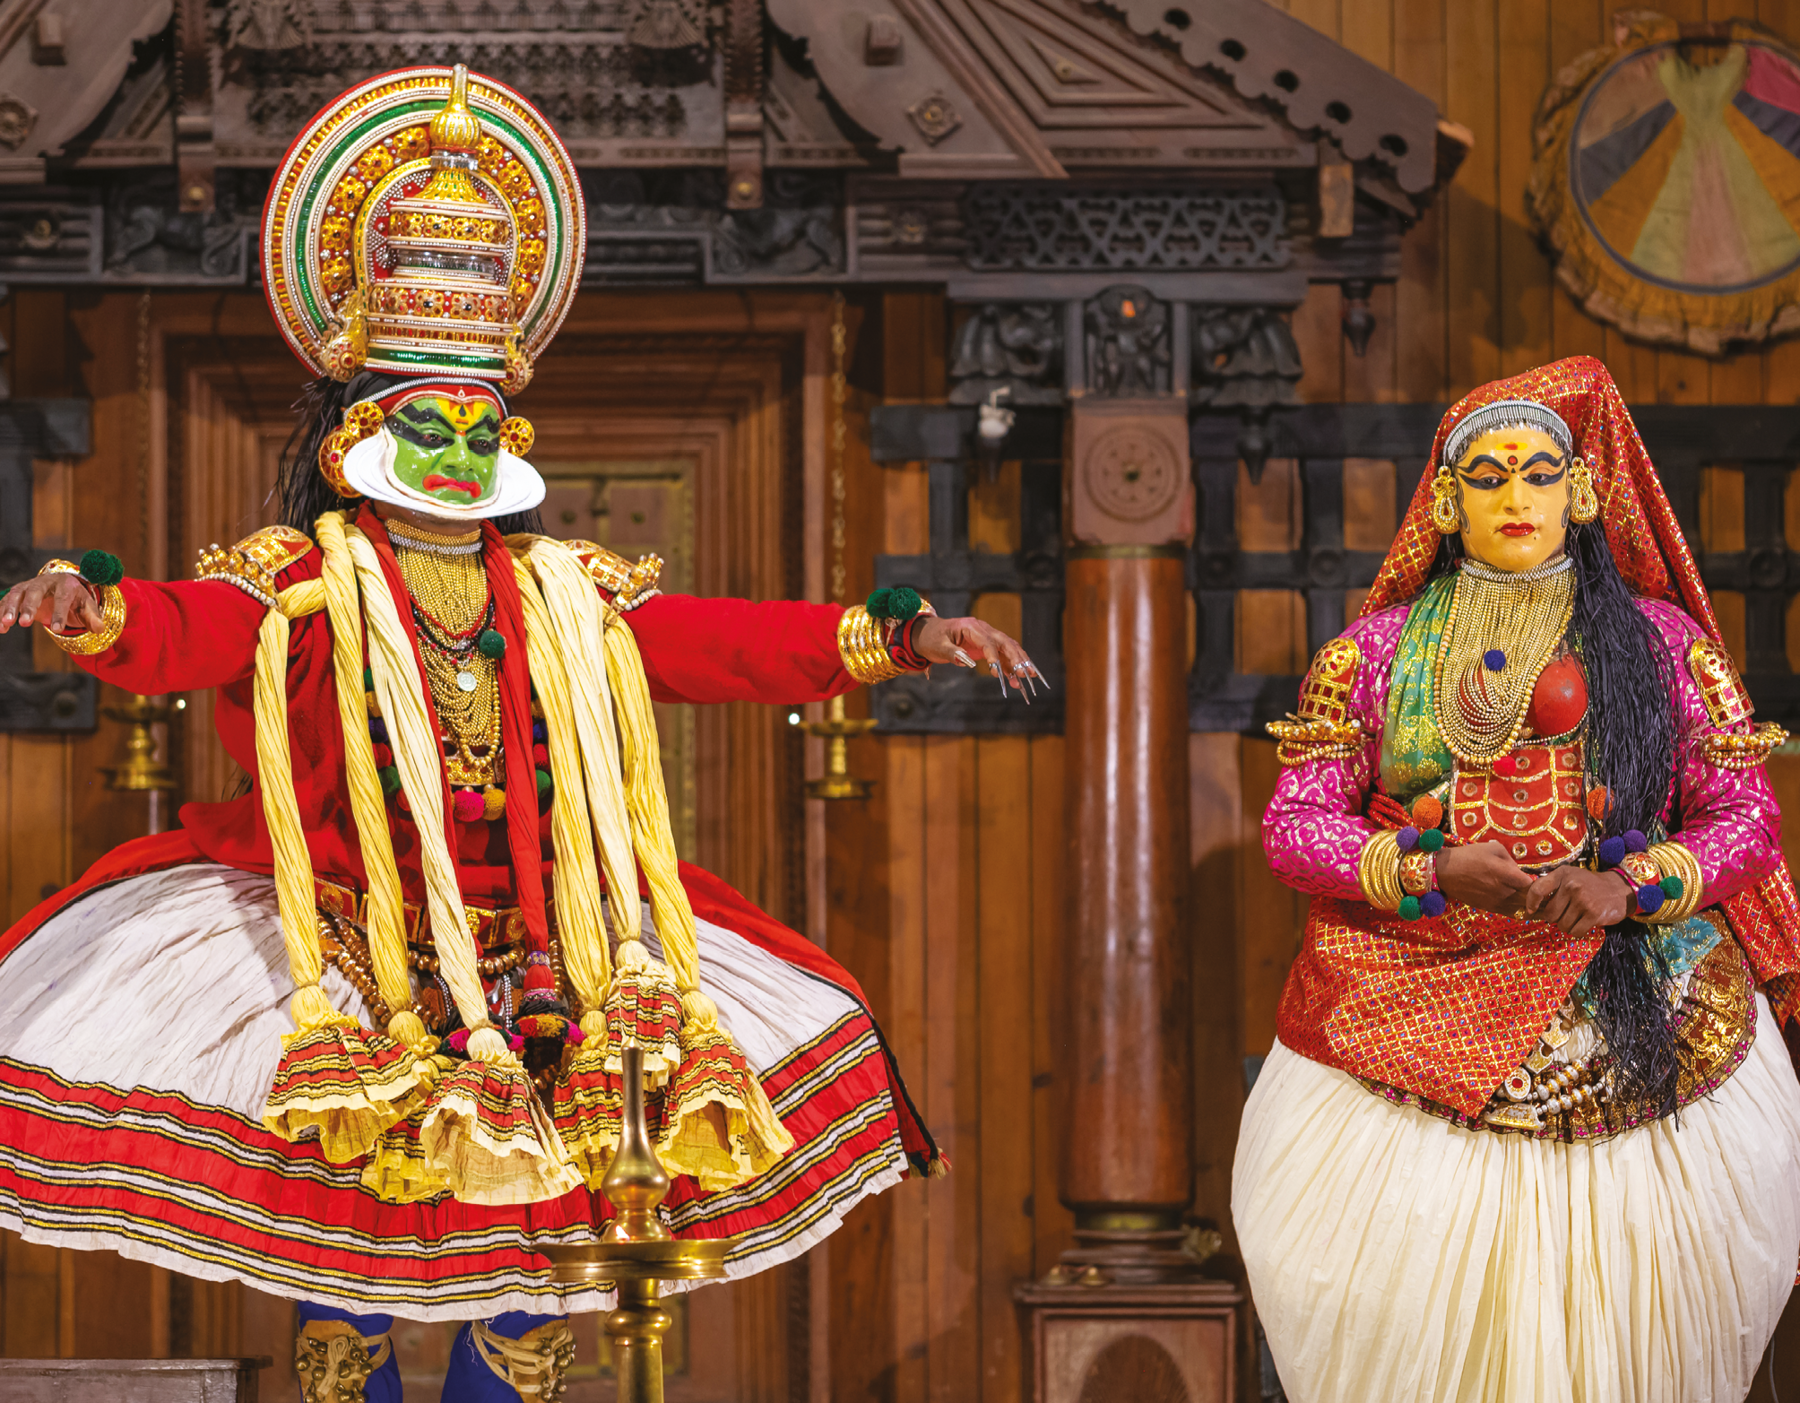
<point x="424" y="223"/>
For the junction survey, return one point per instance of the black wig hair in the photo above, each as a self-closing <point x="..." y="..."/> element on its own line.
<point x="301" y="491"/>
<point x="1630" y="749"/>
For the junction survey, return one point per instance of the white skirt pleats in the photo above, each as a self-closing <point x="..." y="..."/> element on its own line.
<point x="1395" y="1256"/>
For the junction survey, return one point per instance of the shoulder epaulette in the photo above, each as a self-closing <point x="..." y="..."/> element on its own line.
<point x="1323" y="728"/>
<point x="255" y="563"/>
<point x="629" y="585"/>
<point x="1728" y="706"/>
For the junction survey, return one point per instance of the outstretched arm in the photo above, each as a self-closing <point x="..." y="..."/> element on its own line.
<point x="787" y="651"/>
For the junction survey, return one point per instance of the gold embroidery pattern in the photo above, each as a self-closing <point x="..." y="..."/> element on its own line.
<point x="255" y="563"/>
<point x="1537" y="812"/>
<point x="1717" y="1026"/>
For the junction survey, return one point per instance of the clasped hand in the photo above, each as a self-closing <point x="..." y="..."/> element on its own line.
<point x="1571" y="898"/>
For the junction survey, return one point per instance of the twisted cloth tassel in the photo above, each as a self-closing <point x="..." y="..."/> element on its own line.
<point x="643" y="1007"/>
<point x="386" y="910"/>
<point x="334" y="1079"/>
<point x="589" y="1100"/>
<point x="481" y="1126"/>
<point x="716" y="1122"/>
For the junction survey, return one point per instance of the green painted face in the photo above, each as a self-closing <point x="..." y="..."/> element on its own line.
<point x="447" y="450"/>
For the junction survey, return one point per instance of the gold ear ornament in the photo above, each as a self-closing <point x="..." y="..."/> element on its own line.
<point x="1444" y="515"/>
<point x="517" y="436"/>
<point x="360" y="421"/>
<point x="1584" y="505"/>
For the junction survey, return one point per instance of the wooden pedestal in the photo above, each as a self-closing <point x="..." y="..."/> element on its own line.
<point x="1130" y="1344"/>
<point x="130" y="1380"/>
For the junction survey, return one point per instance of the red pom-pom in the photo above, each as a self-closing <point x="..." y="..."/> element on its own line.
<point x="1505" y="765"/>
<point x="1427" y="812"/>
<point x="469" y="806"/>
<point x="384" y="756"/>
<point x="540" y="755"/>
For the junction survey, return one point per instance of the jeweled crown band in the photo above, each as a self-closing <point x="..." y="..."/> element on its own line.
<point x="1508" y="414"/>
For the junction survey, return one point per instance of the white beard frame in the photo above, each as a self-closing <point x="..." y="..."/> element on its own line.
<point x="369" y="469"/>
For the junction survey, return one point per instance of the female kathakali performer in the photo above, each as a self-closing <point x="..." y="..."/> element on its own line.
<point x="1530" y="1130"/>
<point x="454" y="777"/>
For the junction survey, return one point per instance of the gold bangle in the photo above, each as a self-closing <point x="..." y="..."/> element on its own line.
<point x="98" y="640"/>
<point x="863" y="648"/>
<point x="1674" y="860"/>
<point x="60" y="567"/>
<point x="1378" y="871"/>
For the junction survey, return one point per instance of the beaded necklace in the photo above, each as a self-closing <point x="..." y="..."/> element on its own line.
<point x="453" y="608"/>
<point x="1503" y="630"/>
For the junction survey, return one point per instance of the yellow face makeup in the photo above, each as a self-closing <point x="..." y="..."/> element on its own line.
<point x="1512" y="488"/>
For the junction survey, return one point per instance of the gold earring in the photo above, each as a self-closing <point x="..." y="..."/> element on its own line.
<point x="1444" y="514"/>
<point x="1584" y="506"/>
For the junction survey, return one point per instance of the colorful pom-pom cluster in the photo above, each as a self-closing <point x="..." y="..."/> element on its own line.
<point x="1647" y="897"/>
<point x="899" y="604"/>
<point x="467" y="805"/>
<point x="101" y="567"/>
<point x="551" y="1025"/>
<point x="1424" y="835"/>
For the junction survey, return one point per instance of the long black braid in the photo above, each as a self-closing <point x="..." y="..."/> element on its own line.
<point x="301" y="492"/>
<point x="1630" y="750"/>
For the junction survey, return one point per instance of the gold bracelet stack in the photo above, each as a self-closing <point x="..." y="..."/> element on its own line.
<point x="1674" y="860"/>
<point x="1730" y="751"/>
<point x="112" y="617"/>
<point x="1378" y="871"/>
<point x="862" y="644"/>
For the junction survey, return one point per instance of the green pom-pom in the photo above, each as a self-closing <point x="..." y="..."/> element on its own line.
<point x="543" y="782"/>
<point x="368" y="680"/>
<point x="100" y="567"/>
<point x="492" y="643"/>
<point x="1409" y="908"/>
<point x="879" y="603"/>
<point x="390" y="779"/>
<point x="906" y="603"/>
<point x="1431" y="839"/>
<point x="1673" y="887"/>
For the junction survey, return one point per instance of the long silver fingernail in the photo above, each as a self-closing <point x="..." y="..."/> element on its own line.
<point x="963" y="658"/>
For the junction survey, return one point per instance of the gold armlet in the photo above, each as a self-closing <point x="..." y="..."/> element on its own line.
<point x="60" y="567"/>
<point x="98" y="640"/>
<point x="862" y="644"/>
<point x="1303" y="739"/>
<point x="1730" y="751"/>
<point x="1378" y="871"/>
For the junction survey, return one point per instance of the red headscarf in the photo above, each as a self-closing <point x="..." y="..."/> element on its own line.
<point x="1640" y="525"/>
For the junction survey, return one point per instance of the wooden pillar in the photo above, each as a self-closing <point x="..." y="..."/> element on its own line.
<point x="1128" y="1165"/>
<point x="1128" y="1160"/>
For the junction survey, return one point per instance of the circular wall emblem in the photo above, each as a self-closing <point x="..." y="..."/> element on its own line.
<point x="1131" y="475"/>
<point x="1683" y="163"/>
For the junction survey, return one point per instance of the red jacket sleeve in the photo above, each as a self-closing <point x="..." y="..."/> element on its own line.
<point x="719" y="650"/>
<point x="187" y="636"/>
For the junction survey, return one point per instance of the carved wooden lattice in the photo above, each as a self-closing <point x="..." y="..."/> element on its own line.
<point x="1764" y="442"/>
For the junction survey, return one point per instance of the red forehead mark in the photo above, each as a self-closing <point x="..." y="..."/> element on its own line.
<point x="1512" y="462"/>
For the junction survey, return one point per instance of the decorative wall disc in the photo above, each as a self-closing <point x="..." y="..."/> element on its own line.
<point x="1668" y="181"/>
<point x="1131" y="474"/>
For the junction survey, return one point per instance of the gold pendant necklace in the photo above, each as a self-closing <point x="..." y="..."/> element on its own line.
<point x="452" y="604"/>
<point x="1503" y="630"/>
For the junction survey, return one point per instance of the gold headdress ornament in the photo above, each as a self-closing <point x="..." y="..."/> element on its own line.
<point x="427" y="222"/>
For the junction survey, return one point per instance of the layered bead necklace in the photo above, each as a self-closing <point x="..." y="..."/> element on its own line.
<point x="1503" y="629"/>
<point x="453" y="609"/>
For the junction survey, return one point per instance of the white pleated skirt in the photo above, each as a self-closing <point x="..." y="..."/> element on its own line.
<point x="1394" y="1256"/>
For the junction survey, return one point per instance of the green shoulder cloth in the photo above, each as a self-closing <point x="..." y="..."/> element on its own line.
<point x="1414" y="757"/>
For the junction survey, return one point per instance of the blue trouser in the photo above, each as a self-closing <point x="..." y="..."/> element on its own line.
<point x="468" y="1380"/>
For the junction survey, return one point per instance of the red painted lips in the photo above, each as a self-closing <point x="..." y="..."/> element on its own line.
<point x="435" y="481"/>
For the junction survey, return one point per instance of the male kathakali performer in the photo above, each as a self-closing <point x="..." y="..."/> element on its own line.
<point x="355" y="1037"/>
<point x="1530" y="1130"/>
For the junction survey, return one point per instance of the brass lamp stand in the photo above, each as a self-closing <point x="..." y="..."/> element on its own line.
<point x="636" y="1252"/>
<point x="837" y="781"/>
